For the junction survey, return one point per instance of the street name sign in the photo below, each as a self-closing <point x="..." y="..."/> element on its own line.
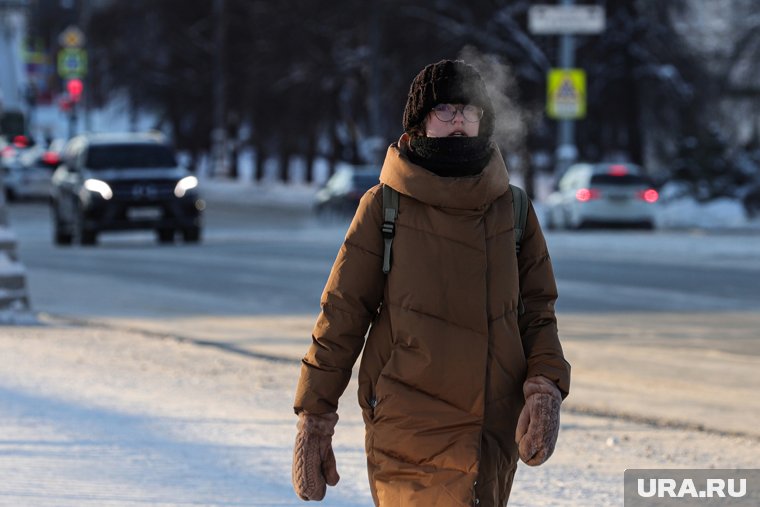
<point x="566" y="19"/>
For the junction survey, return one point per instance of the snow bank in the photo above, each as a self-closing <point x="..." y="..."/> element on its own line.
<point x="685" y="212"/>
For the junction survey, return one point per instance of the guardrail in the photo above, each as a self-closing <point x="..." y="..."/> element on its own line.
<point x="14" y="297"/>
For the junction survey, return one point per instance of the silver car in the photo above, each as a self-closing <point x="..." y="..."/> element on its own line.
<point x="602" y="194"/>
<point x="29" y="177"/>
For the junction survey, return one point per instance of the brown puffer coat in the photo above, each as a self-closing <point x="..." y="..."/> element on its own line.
<point x="440" y="382"/>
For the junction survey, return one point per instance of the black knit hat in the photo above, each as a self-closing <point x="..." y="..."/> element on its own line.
<point x="447" y="82"/>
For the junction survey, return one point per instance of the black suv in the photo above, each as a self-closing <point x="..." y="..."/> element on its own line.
<point x="112" y="182"/>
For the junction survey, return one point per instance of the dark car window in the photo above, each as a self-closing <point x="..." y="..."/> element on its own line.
<point x="625" y="179"/>
<point x="131" y="156"/>
<point x="365" y="181"/>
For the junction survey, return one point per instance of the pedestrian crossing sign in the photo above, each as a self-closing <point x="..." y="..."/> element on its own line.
<point x="566" y="94"/>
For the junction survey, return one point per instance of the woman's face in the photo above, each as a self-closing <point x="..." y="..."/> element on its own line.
<point x="457" y="126"/>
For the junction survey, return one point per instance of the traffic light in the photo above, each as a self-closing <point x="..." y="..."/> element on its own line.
<point x="74" y="87"/>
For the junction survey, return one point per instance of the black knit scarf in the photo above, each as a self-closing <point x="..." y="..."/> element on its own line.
<point x="451" y="156"/>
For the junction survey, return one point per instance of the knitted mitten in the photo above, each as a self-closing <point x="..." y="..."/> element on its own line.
<point x="538" y="425"/>
<point x="313" y="458"/>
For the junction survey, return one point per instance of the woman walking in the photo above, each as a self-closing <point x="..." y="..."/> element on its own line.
<point x="462" y="369"/>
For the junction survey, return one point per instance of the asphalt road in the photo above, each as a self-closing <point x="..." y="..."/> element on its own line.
<point x="263" y="261"/>
<point x="673" y="312"/>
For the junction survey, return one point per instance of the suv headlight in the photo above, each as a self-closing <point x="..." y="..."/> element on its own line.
<point x="100" y="187"/>
<point x="185" y="184"/>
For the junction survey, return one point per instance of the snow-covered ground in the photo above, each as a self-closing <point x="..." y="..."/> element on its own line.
<point x="96" y="417"/>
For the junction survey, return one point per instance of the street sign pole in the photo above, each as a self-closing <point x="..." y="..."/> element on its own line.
<point x="72" y="65"/>
<point x="566" y="152"/>
<point x="73" y="121"/>
<point x="565" y="20"/>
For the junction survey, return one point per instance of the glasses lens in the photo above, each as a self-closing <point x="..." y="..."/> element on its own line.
<point x="472" y="113"/>
<point x="444" y="112"/>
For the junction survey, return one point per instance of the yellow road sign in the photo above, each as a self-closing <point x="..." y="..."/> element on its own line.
<point x="566" y="94"/>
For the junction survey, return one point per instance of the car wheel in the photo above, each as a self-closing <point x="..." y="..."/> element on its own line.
<point x="191" y="235"/>
<point x="328" y="214"/>
<point x="85" y="237"/>
<point x="574" y="222"/>
<point x="165" y="235"/>
<point x="10" y="195"/>
<point x="61" y="236"/>
<point x="88" y="238"/>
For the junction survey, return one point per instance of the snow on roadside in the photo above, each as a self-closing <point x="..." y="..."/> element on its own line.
<point x="722" y="213"/>
<point x="264" y="194"/>
<point x="95" y="417"/>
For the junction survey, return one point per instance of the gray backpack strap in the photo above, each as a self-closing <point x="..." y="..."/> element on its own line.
<point x="390" y="212"/>
<point x="520" y="207"/>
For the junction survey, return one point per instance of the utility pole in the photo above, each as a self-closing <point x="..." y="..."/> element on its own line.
<point x="84" y="21"/>
<point x="220" y="163"/>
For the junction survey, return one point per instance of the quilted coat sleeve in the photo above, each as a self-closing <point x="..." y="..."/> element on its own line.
<point x="349" y="302"/>
<point x="538" y="325"/>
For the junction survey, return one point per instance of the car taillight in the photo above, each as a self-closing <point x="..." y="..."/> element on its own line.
<point x="21" y="142"/>
<point x="8" y="151"/>
<point x="649" y="195"/>
<point x="587" y="194"/>
<point x="50" y="158"/>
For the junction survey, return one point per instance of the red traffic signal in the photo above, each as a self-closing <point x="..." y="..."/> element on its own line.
<point x="75" y="87"/>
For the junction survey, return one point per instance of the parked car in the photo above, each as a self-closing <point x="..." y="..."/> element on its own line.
<point x="114" y="182"/>
<point x="29" y="176"/>
<point x="344" y="189"/>
<point x="602" y="194"/>
<point x="11" y="168"/>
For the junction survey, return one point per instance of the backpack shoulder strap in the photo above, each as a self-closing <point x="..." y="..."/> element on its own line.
<point x="390" y="212"/>
<point x="520" y="206"/>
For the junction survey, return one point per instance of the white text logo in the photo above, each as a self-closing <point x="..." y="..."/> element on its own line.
<point x="687" y="489"/>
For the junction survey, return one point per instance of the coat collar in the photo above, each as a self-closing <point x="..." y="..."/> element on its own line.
<point x="466" y="193"/>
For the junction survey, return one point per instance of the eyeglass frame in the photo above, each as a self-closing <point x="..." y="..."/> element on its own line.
<point x="457" y="110"/>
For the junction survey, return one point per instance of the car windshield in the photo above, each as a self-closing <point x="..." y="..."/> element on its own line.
<point x="129" y="156"/>
<point x="623" y="179"/>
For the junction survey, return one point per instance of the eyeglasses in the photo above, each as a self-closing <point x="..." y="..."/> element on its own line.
<point x="447" y="112"/>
